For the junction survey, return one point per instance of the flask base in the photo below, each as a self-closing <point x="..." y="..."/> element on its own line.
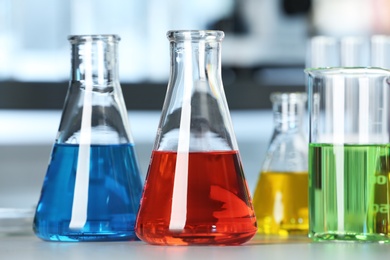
<point x="349" y="236"/>
<point x="293" y="231"/>
<point x="88" y="237"/>
<point x="93" y="231"/>
<point x="186" y="238"/>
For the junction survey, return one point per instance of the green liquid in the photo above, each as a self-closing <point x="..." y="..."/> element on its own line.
<point x="349" y="192"/>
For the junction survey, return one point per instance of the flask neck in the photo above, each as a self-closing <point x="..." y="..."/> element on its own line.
<point x="288" y="112"/>
<point x="94" y="59"/>
<point x="195" y="56"/>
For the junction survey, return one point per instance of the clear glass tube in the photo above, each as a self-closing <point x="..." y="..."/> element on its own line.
<point x="354" y="51"/>
<point x="322" y="52"/>
<point x="380" y="51"/>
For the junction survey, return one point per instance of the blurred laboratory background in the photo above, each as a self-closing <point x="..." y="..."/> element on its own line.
<point x="264" y="51"/>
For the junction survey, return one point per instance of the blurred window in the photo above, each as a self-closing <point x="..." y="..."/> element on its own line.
<point x="33" y="34"/>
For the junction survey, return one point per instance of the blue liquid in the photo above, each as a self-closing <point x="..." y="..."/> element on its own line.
<point x="114" y="193"/>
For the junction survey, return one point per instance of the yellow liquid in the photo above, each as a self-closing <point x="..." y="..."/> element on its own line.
<point x="281" y="203"/>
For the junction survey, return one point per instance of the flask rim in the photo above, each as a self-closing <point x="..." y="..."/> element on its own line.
<point x="276" y="97"/>
<point x="93" y="37"/>
<point x="207" y="35"/>
<point x="347" y="71"/>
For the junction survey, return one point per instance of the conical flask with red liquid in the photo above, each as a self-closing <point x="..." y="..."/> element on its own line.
<point x="92" y="187"/>
<point x="195" y="190"/>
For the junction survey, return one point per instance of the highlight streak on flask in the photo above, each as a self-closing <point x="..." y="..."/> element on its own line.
<point x="180" y="184"/>
<point x="80" y="196"/>
<point x="338" y="128"/>
<point x="363" y="110"/>
<point x="278" y="211"/>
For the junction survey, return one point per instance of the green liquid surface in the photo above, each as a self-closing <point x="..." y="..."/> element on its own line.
<point x="349" y="192"/>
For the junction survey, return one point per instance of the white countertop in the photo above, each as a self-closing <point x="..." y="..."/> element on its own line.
<point x="25" y="141"/>
<point x="30" y="247"/>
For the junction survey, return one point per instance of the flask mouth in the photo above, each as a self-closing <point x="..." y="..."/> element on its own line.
<point x="94" y="37"/>
<point x="347" y="71"/>
<point x="195" y="35"/>
<point x="292" y="97"/>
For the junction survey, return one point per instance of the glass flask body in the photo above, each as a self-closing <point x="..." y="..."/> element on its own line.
<point x="92" y="187"/>
<point x="281" y="195"/>
<point x="349" y="155"/>
<point x="195" y="190"/>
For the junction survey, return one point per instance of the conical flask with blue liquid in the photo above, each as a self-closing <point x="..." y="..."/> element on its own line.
<point x="93" y="186"/>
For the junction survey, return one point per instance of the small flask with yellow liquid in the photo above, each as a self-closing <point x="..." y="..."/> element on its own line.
<point x="281" y="195"/>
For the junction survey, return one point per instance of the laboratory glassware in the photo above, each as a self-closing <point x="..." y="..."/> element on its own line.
<point x="195" y="190"/>
<point x="92" y="187"/>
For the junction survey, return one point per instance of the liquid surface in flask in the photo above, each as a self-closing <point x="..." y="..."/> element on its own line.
<point x="282" y="203"/>
<point x="217" y="210"/>
<point x="362" y="183"/>
<point x="113" y="194"/>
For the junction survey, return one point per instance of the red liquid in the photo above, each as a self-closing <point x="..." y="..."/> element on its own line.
<point x="219" y="208"/>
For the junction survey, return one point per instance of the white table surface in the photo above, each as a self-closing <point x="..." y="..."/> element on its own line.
<point x="31" y="128"/>
<point x="30" y="247"/>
